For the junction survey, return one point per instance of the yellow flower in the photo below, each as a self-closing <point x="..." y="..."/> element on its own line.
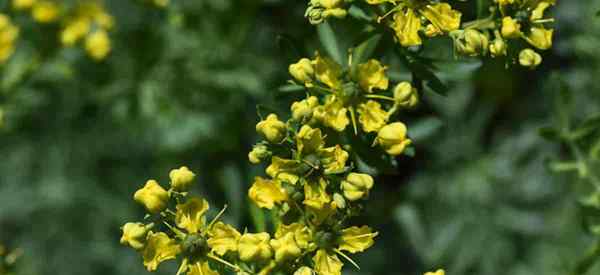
<point x="371" y="116"/>
<point x="471" y="42"/>
<point x="309" y="140"/>
<point x="302" y="71"/>
<point x="357" y="239"/>
<point x="498" y="47"/>
<point x="182" y="178"/>
<point x="442" y="16"/>
<point x="74" y="31"/>
<point x="406" y="25"/>
<point x="305" y="270"/>
<point x="405" y="95"/>
<point x="45" y="11"/>
<point x="333" y="159"/>
<point x="328" y="71"/>
<point x="22" y="4"/>
<point x="510" y="28"/>
<point x="97" y="45"/>
<point x="332" y="114"/>
<point x="332" y="8"/>
<point x="504" y="2"/>
<point x="432" y="31"/>
<point x="134" y="234"/>
<point x="392" y="138"/>
<point x="301" y="233"/>
<point x="529" y="58"/>
<point x="315" y="195"/>
<point x="255" y="247"/>
<point x="540" y="38"/>
<point x="371" y="75"/>
<point x="223" y="238"/>
<point x="285" y="248"/>
<point x="326" y="264"/>
<point x="303" y="110"/>
<point x="152" y="196"/>
<point x="357" y="186"/>
<point x="266" y="193"/>
<point x="438" y="272"/>
<point x="258" y="153"/>
<point x="159" y="248"/>
<point x="190" y="215"/>
<point x="273" y="129"/>
<point x="284" y="170"/>
<point x="8" y="35"/>
<point x="538" y="12"/>
<point x="201" y="268"/>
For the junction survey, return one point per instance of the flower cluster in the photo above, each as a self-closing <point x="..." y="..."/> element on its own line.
<point x="513" y="24"/>
<point x="88" y="23"/>
<point x="8" y="259"/>
<point x="8" y="36"/>
<point x="354" y="95"/>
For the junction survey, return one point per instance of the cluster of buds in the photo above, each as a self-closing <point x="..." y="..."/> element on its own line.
<point x="357" y="95"/>
<point x="8" y="36"/>
<point x="510" y="20"/>
<point x="8" y="259"/>
<point x="88" y="22"/>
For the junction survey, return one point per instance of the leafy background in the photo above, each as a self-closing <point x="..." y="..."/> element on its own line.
<point x="181" y="86"/>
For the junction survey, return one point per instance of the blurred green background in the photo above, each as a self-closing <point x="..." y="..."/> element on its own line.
<point x="181" y="87"/>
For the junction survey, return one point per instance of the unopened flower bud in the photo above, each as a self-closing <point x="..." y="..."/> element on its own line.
<point x="272" y="128"/>
<point x="303" y="110"/>
<point x="540" y="38"/>
<point x="134" y="234"/>
<point x="472" y="43"/>
<point x="529" y="58"/>
<point x="392" y="138"/>
<point x="406" y="95"/>
<point x="258" y="153"/>
<point x="302" y="71"/>
<point x="356" y="186"/>
<point x="152" y="196"/>
<point x="181" y="178"/>
<point x="304" y="271"/>
<point x="498" y="47"/>
<point x="339" y="201"/>
<point x="510" y="28"/>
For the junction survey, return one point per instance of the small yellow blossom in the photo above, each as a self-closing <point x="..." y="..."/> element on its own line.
<point x="285" y="248"/>
<point x="332" y="114"/>
<point x="182" y="178"/>
<point x="273" y="129"/>
<point x="45" y="11"/>
<point x="304" y="271"/>
<point x="302" y="71"/>
<point x="159" y="248"/>
<point x="529" y="58"/>
<point x="498" y="47"/>
<point x="510" y="28"/>
<point x="201" y="268"/>
<point x="392" y="138"/>
<point x="8" y="36"/>
<point x="471" y="42"/>
<point x="74" y="31"/>
<point x="438" y="272"/>
<point x="371" y="75"/>
<point x="315" y="195"/>
<point x="333" y="159"/>
<point x="328" y="71"/>
<point x="405" y="95"/>
<point x="505" y="2"/>
<point x="284" y="170"/>
<point x="22" y="4"/>
<point x="540" y="38"/>
<point x="97" y="44"/>
<point x="223" y="238"/>
<point x="406" y="25"/>
<point x="442" y="16"/>
<point x="432" y="31"/>
<point x="134" y="235"/>
<point x="309" y="140"/>
<point x="152" y="196"/>
<point x="303" y="110"/>
<point x="357" y="239"/>
<point x="538" y="12"/>
<point x="356" y="186"/>
<point x="258" y="153"/>
<point x="190" y="215"/>
<point x="302" y="234"/>
<point x="326" y="264"/>
<point x="266" y="193"/>
<point x="255" y="247"/>
<point x="371" y="116"/>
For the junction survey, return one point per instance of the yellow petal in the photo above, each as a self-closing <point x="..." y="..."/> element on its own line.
<point x="201" y="268"/>
<point x="301" y="233"/>
<point x="326" y="264"/>
<point x="285" y="247"/>
<point x="266" y="193"/>
<point x="442" y="16"/>
<point x="284" y="169"/>
<point x="357" y="239"/>
<point x="315" y="195"/>
<point x="333" y="159"/>
<point x="190" y="215"/>
<point x="371" y="116"/>
<point x="255" y="247"/>
<point x="406" y="26"/>
<point x="438" y="272"/>
<point x="328" y="71"/>
<point x="309" y="140"/>
<point x="540" y="38"/>
<point x="152" y="196"/>
<point x="97" y="44"/>
<point x="159" y="248"/>
<point x="371" y="75"/>
<point x="223" y="238"/>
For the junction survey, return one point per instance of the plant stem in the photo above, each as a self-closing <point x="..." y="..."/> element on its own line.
<point x="585" y="264"/>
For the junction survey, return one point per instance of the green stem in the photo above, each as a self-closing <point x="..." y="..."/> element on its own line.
<point x="585" y="264"/>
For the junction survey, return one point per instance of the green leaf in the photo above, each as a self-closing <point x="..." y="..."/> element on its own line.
<point x="587" y="127"/>
<point x="549" y="134"/>
<point x="329" y="41"/>
<point x="358" y="13"/>
<point x="291" y="88"/>
<point x="422" y="70"/>
<point x="364" y="51"/>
